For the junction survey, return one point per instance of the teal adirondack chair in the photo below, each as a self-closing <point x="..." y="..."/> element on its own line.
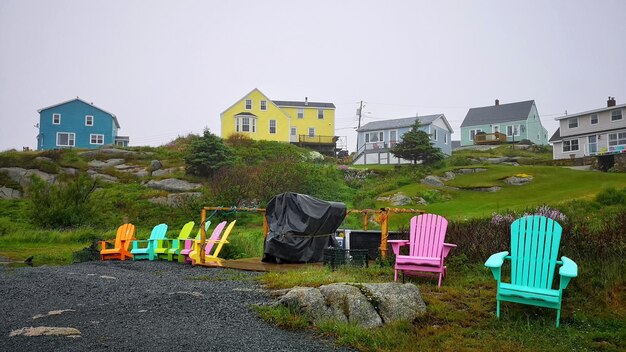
<point x="534" y="245"/>
<point x="144" y="249"/>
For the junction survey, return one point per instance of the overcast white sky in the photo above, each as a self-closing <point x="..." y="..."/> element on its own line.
<point x="167" y="68"/>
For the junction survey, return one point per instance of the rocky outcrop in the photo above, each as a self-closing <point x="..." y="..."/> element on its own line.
<point x="368" y="305"/>
<point x="163" y="172"/>
<point x="173" y="185"/>
<point x="156" y="165"/>
<point x="176" y="199"/>
<point x="103" y="177"/>
<point x="433" y="181"/>
<point x="9" y="193"/>
<point x="104" y="164"/>
<point x="518" y="180"/>
<point x="22" y="176"/>
<point x="107" y="151"/>
<point x="397" y="199"/>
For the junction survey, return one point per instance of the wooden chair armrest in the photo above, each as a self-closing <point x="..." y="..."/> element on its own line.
<point x="396" y="244"/>
<point x="496" y="260"/>
<point x="569" y="268"/>
<point x="447" y="247"/>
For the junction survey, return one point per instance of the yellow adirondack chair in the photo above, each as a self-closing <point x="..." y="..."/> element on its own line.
<point x="215" y="241"/>
<point x="121" y="244"/>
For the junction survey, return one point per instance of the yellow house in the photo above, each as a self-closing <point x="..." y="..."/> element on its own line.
<point x="308" y="124"/>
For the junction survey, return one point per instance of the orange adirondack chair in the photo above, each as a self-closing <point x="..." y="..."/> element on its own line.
<point x="121" y="244"/>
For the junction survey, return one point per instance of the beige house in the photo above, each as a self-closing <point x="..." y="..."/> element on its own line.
<point x="591" y="133"/>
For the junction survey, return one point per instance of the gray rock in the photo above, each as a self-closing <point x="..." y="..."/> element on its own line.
<point x="420" y="201"/>
<point x="433" y="181"/>
<point x="511" y="163"/>
<point x="69" y="171"/>
<point x="122" y="167"/>
<point x="103" y="164"/>
<point x="141" y="173"/>
<point x="464" y="171"/>
<point x="173" y="185"/>
<point x="176" y="199"/>
<point x="448" y="175"/>
<point x="163" y="172"/>
<point x="155" y="165"/>
<point x="9" y="193"/>
<point x="485" y="189"/>
<point x="496" y="160"/>
<point x="103" y="177"/>
<point x="400" y="199"/>
<point x="347" y="303"/>
<point x="43" y="158"/>
<point x="22" y="176"/>
<point x="518" y="181"/>
<point x="396" y="301"/>
<point x="307" y="300"/>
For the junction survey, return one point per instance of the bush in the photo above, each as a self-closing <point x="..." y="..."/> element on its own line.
<point x="62" y="205"/>
<point x="206" y="155"/>
<point x="612" y="196"/>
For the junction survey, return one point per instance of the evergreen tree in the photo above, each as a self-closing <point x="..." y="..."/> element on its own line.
<point x="207" y="154"/>
<point x="416" y="146"/>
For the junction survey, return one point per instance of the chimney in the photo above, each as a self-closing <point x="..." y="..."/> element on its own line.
<point x="497" y="102"/>
<point x="610" y="102"/>
<point x="306" y="101"/>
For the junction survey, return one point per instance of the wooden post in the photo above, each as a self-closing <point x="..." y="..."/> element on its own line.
<point x="384" y="232"/>
<point x="266" y="228"/>
<point x="365" y="220"/>
<point x="202" y="235"/>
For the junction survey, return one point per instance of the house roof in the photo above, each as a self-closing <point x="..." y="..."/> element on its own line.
<point x="590" y="112"/>
<point x="245" y="113"/>
<point x="82" y="101"/>
<point x="498" y="113"/>
<point x="402" y="122"/>
<point x="556" y="136"/>
<point x="309" y="104"/>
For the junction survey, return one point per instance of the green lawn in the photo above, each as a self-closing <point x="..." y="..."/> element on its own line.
<point x="550" y="184"/>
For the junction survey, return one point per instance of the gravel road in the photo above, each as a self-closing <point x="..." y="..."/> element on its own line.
<point x="141" y="306"/>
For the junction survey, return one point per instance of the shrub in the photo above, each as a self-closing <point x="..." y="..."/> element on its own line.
<point x="207" y="154"/>
<point x="62" y="205"/>
<point x="611" y="196"/>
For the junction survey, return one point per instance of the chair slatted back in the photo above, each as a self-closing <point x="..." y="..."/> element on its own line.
<point x="158" y="232"/>
<point x="427" y="234"/>
<point x="535" y="244"/>
<point x="125" y="235"/>
<point x="214" y="237"/>
<point x="222" y="240"/>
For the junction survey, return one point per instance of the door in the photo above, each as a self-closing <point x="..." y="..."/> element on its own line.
<point x="593" y="145"/>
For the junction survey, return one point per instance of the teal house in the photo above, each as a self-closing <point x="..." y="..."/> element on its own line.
<point x="77" y="124"/>
<point x="516" y="121"/>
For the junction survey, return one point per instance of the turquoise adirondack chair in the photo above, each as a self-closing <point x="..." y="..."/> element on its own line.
<point x="427" y="250"/>
<point x="144" y="249"/>
<point x="534" y="245"/>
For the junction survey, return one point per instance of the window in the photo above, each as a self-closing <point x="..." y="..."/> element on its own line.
<point x="616" y="115"/>
<point x="300" y="113"/>
<point x="473" y="133"/>
<point x="311" y="131"/>
<point x="248" y="104"/>
<point x="373" y="137"/>
<point x="512" y="130"/>
<point x="570" y="145"/>
<point x="294" y="131"/>
<point x="593" y="144"/>
<point x="393" y="138"/>
<point x="88" y="120"/>
<point x="263" y="105"/>
<point x="56" y="119"/>
<point x="573" y="122"/>
<point x="320" y="114"/>
<point x="65" y="139"/>
<point x="96" y="138"/>
<point x="617" y="138"/>
<point x="495" y="129"/>
<point x="245" y="124"/>
<point x="594" y="119"/>
<point x="272" y="126"/>
<point x="434" y="134"/>
<point x="445" y="138"/>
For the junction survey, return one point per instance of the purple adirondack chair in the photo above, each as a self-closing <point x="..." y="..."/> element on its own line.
<point x="427" y="251"/>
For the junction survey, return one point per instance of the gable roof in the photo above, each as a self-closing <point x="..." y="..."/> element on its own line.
<point x="402" y="122"/>
<point x="556" y="136"/>
<point x="309" y="104"/>
<point x="590" y="112"/>
<point x="498" y="113"/>
<point x="84" y="102"/>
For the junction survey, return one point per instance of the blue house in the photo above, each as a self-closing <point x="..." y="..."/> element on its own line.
<point x="77" y="124"/>
<point x="375" y="139"/>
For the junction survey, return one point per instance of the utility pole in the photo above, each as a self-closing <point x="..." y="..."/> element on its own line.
<point x="360" y="113"/>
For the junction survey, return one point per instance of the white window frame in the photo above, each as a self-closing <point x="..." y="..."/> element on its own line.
<point x="473" y="133"/>
<point x="320" y="114"/>
<point x="54" y="116"/>
<point x="88" y="120"/>
<point x="568" y="145"/>
<point x="572" y="122"/>
<point x="380" y="137"/>
<point x="300" y="113"/>
<point x="294" y="131"/>
<point x="621" y="115"/>
<point x="263" y="105"/>
<point x="594" y="143"/>
<point x="614" y="138"/>
<point x="275" y="127"/>
<point x="311" y="129"/>
<point x="395" y="140"/>
<point x="515" y="130"/>
<point x="239" y="123"/>
<point x="248" y="104"/>
<point x="591" y="119"/>
<point x="71" y="139"/>
<point x="97" y="139"/>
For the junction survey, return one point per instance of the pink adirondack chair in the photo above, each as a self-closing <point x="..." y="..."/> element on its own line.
<point x="194" y="255"/>
<point x="427" y="251"/>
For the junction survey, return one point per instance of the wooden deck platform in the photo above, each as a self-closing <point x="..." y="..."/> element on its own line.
<point x="255" y="264"/>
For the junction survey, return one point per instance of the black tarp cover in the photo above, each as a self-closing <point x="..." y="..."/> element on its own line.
<point x="300" y="227"/>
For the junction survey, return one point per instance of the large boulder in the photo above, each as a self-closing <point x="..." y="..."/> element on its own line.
<point x="395" y="301"/>
<point x="163" y="172"/>
<point x="173" y="185"/>
<point x="156" y="165"/>
<point x="22" y="176"/>
<point x="176" y="199"/>
<point x="347" y="303"/>
<point x="107" y="151"/>
<point x="9" y="193"/>
<point x="518" y="180"/>
<point x="307" y="300"/>
<point x="433" y="181"/>
<point x="400" y="199"/>
<point x="104" y="164"/>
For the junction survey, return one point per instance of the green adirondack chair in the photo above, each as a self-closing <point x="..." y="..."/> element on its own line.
<point x="179" y="244"/>
<point x="165" y="244"/>
<point x="534" y="245"/>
